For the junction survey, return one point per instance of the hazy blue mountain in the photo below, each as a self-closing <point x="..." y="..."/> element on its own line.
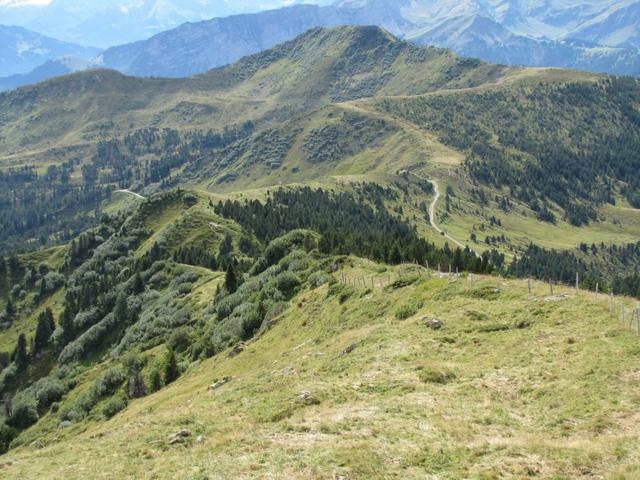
<point x="104" y="23"/>
<point x="472" y="28"/>
<point x="196" y="47"/>
<point x="481" y="37"/>
<point x="22" y="50"/>
<point x="52" y="68"/>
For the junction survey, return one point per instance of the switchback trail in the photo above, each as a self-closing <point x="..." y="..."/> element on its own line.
<point x="432" y="213"/>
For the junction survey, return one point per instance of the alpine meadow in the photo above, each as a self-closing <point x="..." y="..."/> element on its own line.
<point x="345" y="257"/>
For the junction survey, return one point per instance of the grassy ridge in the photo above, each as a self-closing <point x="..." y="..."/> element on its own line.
<point x="483" y="397"/>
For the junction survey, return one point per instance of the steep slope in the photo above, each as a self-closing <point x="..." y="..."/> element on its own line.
<point x="22" y="50"/>
<point x="343" y="382"/>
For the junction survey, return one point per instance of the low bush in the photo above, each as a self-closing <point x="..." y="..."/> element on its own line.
<point x="114" y="405"/>
<point x="24" y="412"/>
<point x="408" y="310"/>
<point x="435" y="375"/>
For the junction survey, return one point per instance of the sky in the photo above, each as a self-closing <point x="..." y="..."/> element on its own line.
<point x="24" y="2"/>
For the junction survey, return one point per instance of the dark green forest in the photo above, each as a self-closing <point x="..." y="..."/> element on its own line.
<point x="574" y="144"/>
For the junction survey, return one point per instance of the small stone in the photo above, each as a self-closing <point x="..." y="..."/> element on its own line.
<point x="308" y="398"/>
<point x="220" y="383"/>
<point x="237" y="349"/>
<point x="179" y="437"/>
<point x="349" y="349"/>
<point x="435" y="324"/>
<point x="200" y="439"/>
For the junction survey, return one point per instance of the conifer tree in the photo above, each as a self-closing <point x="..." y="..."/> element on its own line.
<point x="138" y="285"/>
<point x="46" y="326"/>
<point x="230" y="280"/>
<point x="9" y="310"/>
<point x="170" y="368"/>
<point x="121" y="311"/>
<point x="21" y="356"/>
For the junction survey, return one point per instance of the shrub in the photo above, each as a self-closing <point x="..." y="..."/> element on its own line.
<point x="7" y="434"/>
<point x="47" y="391"/>
<point x="435" y="375"/>
<point x="154" y="380"/>
<point x="403" y="282"/>
<point x="287" y="283"/>
<point x="24" y="413"/>
<point x="110" y="381"/>
<point x="88" y="340"/>
<point x="317" y="279"/>
<point x="8" y="376"/>
<point x="179" y="340"/>
<point x="114" y="406"/>
<point x="408" y="310"/>
<point x="189" y="200"/>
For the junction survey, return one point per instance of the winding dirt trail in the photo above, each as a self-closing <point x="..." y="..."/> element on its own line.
<point x="137" y="195"/>
<point x="432" y="212"/>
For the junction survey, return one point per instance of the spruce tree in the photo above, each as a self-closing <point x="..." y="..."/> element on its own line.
<point x="138" y="285"/>
<point x="121" y="311"/>
<point x="10" y="310"/>
<point x="45" y="328"/>
<point x="21" y="356"/>
<point x="170" y="368"/>
<point x="230" y="280"/>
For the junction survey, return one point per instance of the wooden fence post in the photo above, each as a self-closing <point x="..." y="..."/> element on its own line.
<point x="577" y="283"/>
<point x="611" y="303"/>
<point x="529" y="285"/>
<point x="597" y="290"/>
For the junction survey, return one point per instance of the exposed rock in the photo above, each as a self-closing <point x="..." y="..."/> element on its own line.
<point x="349" y="349"/>
<point x="308" y="398"/>
<point x="237" y="349"/>
<point x="65" y="424"/>
<point x="179" y="437"/>
<point x="220" y="383"/>
<point x="557" y="298"/>
<point x="435" y="324"/>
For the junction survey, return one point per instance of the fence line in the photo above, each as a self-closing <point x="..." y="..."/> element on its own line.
<point x="533" y="287"/>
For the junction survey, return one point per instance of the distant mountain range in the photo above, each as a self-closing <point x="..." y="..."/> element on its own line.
<point x="105" y="23"/>
<point x="595" y="35"/>
<point x="550" y="37"/>
<point x="22" y="50"/>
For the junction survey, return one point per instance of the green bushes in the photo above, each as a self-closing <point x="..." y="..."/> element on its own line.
<point x="114" y="406"/>
<point x="24" y="412"/>
<point x="408" y="310"/>
<point x="287" y="283"/>
<point x="7" y="434"/>
<point x="47" y="391"/>
<point x="317" y="279"/>
<point x="110" y="381"/>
